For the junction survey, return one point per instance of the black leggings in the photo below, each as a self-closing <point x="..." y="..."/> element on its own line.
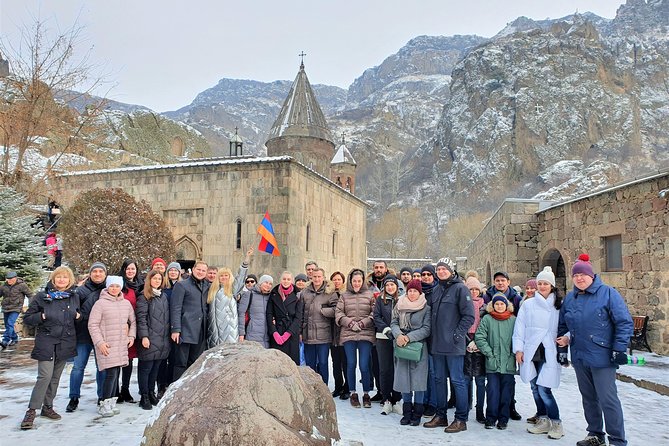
<point x="111" y="382"/>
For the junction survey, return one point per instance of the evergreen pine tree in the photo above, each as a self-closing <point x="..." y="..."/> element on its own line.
<point x="21" y="246"/>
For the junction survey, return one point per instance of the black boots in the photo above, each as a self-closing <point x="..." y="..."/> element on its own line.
<point x="407" y="410"/>
<point x="417" y="414"/>
<point x="513" y="414"/>
<point x="72" y="405"/>
<point x="144" y="402"/>
<point x="153" y="399"/>
<point x="480" y="416"/>
<point x="124" y="396"/>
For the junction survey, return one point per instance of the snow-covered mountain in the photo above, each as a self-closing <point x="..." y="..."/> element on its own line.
<point x="545" y="94"/>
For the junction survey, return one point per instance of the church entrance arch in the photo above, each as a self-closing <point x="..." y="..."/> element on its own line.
<point x="554" y="259"/>
<point x="187" y="252"/>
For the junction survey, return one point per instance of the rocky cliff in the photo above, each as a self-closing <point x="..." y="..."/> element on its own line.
<point x="530" y="101"/>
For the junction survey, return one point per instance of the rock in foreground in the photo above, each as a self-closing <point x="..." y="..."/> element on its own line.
<point x="243" y="394"/>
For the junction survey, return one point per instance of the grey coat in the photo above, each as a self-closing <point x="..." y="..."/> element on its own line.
<point x="223" y="317"/>
<point x="188" y="309"/>
<point x="257" y="326"/>
<point x="411" y="376"/>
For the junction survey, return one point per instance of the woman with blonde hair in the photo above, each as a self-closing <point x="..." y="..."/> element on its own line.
<point x="52" y="312"/>
<point x="223" y="317"/>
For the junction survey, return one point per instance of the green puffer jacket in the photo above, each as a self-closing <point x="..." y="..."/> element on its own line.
<point x="493" y="338"/>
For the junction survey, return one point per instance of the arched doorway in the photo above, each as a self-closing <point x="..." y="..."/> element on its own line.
<point x="187" y="252"/>
<point x="553" y="258"/>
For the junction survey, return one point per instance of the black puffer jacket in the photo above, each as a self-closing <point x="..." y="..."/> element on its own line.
<point x="55" y="334"/>
<point x="88" y="293"/>
<point x="153" y="322"/>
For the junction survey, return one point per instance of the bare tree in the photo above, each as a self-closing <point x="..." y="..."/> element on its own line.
<point x="39" y="99"/>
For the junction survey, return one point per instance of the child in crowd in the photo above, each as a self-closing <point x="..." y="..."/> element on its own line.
<point x="494" y="338"/>
<point x="112" y="328"/>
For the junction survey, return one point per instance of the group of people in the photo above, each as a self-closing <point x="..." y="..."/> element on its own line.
<point x="419" y="335"/>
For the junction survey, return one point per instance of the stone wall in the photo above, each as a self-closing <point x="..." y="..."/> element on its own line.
<point x="508" y="242"/>
<point x="637" y="213"/>
<point x="203" y="201"/>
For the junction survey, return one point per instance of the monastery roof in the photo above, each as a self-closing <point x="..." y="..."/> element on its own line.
<point x="301" y="115"/>
<point x="605" y="190"/>
<point x="343" y="156"/>
<point x="206" y="162"/>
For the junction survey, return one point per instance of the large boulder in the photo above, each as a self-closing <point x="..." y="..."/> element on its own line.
<point x="242" y="394"/>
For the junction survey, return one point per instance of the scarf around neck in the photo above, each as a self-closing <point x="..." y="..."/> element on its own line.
<point x="284" y="292"/>
<point x="501" y="316"/>
<point x="405" y="308"/>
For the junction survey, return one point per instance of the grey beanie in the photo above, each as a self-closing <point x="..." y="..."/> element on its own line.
<point x="174" y="265"/>
<point x="265" y="278"/>
<point x="97" y="265"/>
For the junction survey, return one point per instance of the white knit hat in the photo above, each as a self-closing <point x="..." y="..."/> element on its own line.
<point x="114" y="280"/>
<point x="547" y="275"/>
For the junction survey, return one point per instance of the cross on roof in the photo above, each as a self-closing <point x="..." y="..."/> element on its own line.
<point x="236" y="128"/>
<point x="343" y="134"/>
<point x="302" y="54"/>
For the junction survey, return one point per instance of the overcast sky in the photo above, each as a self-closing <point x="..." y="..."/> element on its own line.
<point x="162" y="53"/>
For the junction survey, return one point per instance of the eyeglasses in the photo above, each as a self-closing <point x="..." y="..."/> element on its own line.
<point x="251" y="281"/>
<point x="425" y="274"/>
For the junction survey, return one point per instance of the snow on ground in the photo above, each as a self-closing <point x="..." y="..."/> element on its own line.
<point x="645" y="415"/>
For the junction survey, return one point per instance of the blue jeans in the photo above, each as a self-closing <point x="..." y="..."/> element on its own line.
<point x="453" y="367"/>
<point x="480" y="390"/>
<point x="364" y="351"/>
<point x="430" y="398"/>
<point x="10" y="333"/>
<point x="316" y="357"/>
<point x="599" y="395"/>
<point x="499" y="392"/>
<point x="418" y="397"/>
<point x="543" y="398"/>
<point x="77" y="373"/>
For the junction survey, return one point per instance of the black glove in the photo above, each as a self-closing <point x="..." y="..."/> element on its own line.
<point x="563" y="359"/>
<point x="619" y="358"/>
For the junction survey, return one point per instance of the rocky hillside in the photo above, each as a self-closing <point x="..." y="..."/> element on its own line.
<point x="551" y="109"/>
<point x="251" y="106"/>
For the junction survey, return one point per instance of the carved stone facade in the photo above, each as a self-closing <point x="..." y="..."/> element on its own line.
<point x="624" y="229"/>
<point x="213" y="209"/>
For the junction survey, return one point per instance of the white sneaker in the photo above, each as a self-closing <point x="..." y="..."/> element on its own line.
<point x="397" y="408"/>
<point x="542" y="427"/>
<point x="113" y="406"/>
<point x="387" y="408"/>
<point x="556" y="432"/>
<point x="105" y="408"/>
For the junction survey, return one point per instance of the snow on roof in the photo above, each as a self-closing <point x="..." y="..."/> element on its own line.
<point x="206" y="162"/>
<point x="343" y="156"/>
<point x="608" y="189"/>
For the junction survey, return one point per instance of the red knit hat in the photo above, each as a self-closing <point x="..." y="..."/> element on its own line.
<point x="583" y="266"/>
<point x="416" y="285"/>
<point x="158" y="260"/>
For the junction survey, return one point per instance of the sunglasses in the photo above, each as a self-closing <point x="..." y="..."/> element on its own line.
<point x="251" y="281"/>
<point x="426" y="274"/>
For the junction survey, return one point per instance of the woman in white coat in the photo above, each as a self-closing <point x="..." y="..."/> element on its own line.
<point x="536" y="352"/>
<point x="223" y="316"/>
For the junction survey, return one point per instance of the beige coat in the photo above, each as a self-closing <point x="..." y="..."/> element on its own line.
<point x="319" y="308"/>
<point x="355" y="307"/>
<point x="112" y="320"/>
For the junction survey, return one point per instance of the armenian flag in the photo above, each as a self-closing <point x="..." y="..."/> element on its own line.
<point x="268" y="242"/>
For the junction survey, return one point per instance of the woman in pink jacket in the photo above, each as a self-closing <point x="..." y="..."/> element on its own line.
<point x="112" y="328"/>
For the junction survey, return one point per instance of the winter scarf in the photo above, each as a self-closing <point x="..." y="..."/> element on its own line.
<point x="478" y="303"/>
<point x="385" y="297"/>
<point x="53" y="294"/>
<point x="405" y="307"/>
<point x="428" y="287"/>
<point x="501" y="316"/>
<point x="156" y="292"/>
<point x="284" y="292"/>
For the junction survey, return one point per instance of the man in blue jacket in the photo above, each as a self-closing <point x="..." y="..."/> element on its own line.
<point x="597" y="326"/>
<point x="452" y="315"/>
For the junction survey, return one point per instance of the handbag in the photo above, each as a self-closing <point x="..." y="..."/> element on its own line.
<point x="413" y="351"/>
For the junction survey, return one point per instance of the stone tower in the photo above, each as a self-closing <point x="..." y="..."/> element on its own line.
<point x="300" y="130"/>
<point x="342" y="168"/>
<point x="236" y="144"/>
